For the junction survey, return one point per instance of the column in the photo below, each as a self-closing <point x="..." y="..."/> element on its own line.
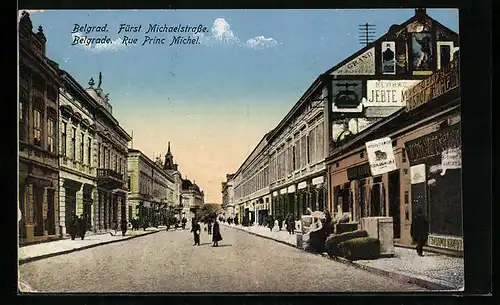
<point x="44" y="211"/>
<point x="29" y="212"/>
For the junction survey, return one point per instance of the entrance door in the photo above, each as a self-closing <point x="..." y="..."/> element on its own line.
<point x="394" y="202"/>
<point x="38" y="210"/>
<point x="70" y="207"/>
<point x="51" y="229"/>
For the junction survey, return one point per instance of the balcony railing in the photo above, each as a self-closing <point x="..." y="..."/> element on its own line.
<point x="110" y="178"/>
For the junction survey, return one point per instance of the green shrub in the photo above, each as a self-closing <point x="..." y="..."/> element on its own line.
<point x="360" y="248"/>
<point x="332" y="242"/>
<point x="345" y="227"/>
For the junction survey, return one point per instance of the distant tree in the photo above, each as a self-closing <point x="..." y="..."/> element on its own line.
<point x="208" y="210"/>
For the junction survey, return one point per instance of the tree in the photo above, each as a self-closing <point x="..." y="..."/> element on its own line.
<point x="209" y="209"/>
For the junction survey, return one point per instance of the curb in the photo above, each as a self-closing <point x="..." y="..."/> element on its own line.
<point x="36" y="258"/>
<point x="431" y="285"/>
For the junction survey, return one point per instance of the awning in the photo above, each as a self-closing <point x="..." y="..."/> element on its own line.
<point x="283" y="191"/>
<point x="302" y="185"/>
<point x="291" y="189"/>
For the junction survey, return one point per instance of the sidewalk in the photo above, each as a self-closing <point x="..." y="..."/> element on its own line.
<point x="432" y="271"/>
<point x="63" y="246"/>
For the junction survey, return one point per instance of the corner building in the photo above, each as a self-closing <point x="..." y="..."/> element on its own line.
<point x="38" y="140"/>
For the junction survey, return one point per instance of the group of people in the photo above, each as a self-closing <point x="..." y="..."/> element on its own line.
<point x="78" y="226"/>
<point x="214" y="231"/>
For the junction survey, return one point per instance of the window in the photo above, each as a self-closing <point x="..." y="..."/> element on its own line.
<point x="82" y="148"/>
<point x="73" y="144"/>
<point x="294" y="156"/>
<point x="63" y="140"/>
<point x="21" y="121"/>
<point x="89" y="152"/>
<point x="51" y="127"/>
<point x="119" y="165"/>
<point x="99" y="155"/>
<point x="403" y="152"/>
<point x="37" y="127"/>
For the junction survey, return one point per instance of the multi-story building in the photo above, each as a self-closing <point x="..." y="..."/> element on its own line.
<point x="193" y="199"/>
<point x="78" y="163"/>
<point x="171" y="168"/>
<point x="228" y="196"/>
<point x="38" y="140"/>
<point x="151" y="189"/>
<point x="111" y="154"/>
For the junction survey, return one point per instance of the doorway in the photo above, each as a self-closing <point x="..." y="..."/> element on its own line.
<point x="70" y="207"/>
<point x="38" y="210"/>
<point x="394" y="202"/>
<point x="51" y="228"/>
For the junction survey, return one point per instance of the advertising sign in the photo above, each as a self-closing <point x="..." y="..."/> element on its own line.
<point x="347" y="95"/>
<point x="417" y="173"/>
<point x="450" y="159"/>
<point x="364" y="64"/>
<point x="387" y="92"/>
<point x="388" y="57"/>
<point x="381" y="156"/>
<point x="422" y="56"/>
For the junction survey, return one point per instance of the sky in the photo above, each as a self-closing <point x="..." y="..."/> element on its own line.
<point x="215" y="100"/>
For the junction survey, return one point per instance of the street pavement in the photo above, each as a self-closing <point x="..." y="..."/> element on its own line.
<point x="167" y="261"/>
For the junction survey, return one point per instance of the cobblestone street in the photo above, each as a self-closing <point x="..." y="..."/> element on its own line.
<point x="168" y="262"/>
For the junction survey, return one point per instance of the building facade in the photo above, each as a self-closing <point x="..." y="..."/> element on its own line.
<point x="192" y="201"/>
<point x="426" y="142"/>
<point x="38" y="140"/>
<point x="228" y="197"/>
<point x="111" y="157"/>
<point x="78" y="162"/>
<point x="172" y="168"/>
<point x="150" y="189"/>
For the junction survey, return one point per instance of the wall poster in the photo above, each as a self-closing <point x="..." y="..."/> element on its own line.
<point x="401" y="57"/>
<point x="388" y="52"/>
<point x="445" y="50"/>
<point x="422" y="57"/>
<point x="381" y="156"/>
<point x="347" y="95"/>
<point x="364" y="64"/>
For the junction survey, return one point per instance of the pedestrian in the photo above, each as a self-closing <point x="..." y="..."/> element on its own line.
<point x="73" y="227"/>
<point x="290" y="224"/>
<point x="280" y="222"/>
<point x="216" y="237"/>
<point x="209" y="226"/>
<point x="124" y="226"/>
<point x="195" y="229"/>
<point x="419" y="231"/>
<point x="114" y="227"/>
<point x="270" y="223"/>
<point x="82" y="226"/>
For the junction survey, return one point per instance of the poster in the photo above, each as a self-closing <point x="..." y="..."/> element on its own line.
<point x="388" y="53"/>
<point x="422" y="52"/>
<point x="450" y="159"/>
<point x="417" y="174"/>
<point x="364" y="64"/>
<point x="381" y="156"/>
<point x="401" y="57"/>
<point x="387" y="92"/>
<point x="347" y="94"/>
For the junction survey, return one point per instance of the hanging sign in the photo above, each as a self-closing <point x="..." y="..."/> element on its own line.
<point x="417" y="173"/>
<point x="450" y="159"/>
<point x="364" y="64"/>
<point x="381" y="156"/>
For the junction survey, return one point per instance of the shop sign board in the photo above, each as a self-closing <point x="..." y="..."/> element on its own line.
<point x="381" y="156"/>
<point x="364" y="64"/>
<point x="358" y="172"/>
<point x="387" y="92"/>
<point x="433" y="144"/>
<point x="417" y="173"/>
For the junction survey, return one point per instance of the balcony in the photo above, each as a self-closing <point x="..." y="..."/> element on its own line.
<point x="109" y="179"/>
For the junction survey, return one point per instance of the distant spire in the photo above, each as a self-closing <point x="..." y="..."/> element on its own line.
<point x="168" y="147"/>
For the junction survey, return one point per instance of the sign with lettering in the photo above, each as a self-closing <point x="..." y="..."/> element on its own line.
<point x="451" y="159"/>
<point x="381" y="156"/>
<point x="359" y="172"/>
<point x="433" y="144"/>
<point x="430" y="88"/>
<point x="387" y="92"/>
<point x="417" y="173"/>
<point x="364" y="64"/>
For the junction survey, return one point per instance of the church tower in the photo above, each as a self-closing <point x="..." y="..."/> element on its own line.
<point x="169" y="160"/>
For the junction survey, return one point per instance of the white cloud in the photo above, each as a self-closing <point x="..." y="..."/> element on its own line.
<point x="115" y="45"/>
<point x="261" y="42"/>
<point x="221" y="32"/>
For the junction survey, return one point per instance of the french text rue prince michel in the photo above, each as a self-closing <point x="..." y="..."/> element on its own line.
<point x="153" y="34"/>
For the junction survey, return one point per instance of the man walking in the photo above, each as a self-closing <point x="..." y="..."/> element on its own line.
<point x="420" y="230"/>
<point x="82" y="226"/>
<point x="195" y="229"/>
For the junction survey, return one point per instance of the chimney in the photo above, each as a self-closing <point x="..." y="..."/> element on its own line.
<point x="420" y="13"/>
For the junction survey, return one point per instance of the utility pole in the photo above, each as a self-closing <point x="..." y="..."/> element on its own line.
<point x="366" y="33"/>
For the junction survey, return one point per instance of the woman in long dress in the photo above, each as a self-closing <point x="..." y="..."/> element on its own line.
<point x="216" y="237"/>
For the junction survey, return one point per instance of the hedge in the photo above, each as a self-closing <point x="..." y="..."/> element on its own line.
<point x="345" y="227"/>
<point x="360" y="248"/>
<point x="332" y="242"/>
